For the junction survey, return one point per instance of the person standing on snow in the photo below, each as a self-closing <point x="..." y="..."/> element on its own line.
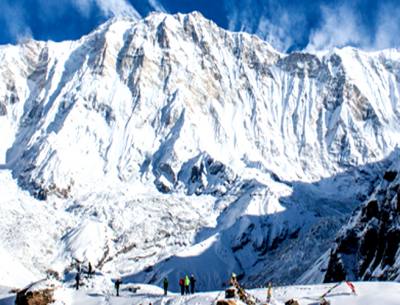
<point x="77" y="280"/>
<point x="187" y="283"/>
<point x="269" y="292"/>
<point x="78" y="266"/>
<point x="233" y="281"/>
<point x="182" y="285"/>
<point x="165" y="285"/>
<point x="192" y="283"/>
<point x="90" y="270"/>
<point x="118" y="282"/>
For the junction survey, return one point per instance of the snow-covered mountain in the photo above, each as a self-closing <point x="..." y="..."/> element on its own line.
<point x="167" y="146"/>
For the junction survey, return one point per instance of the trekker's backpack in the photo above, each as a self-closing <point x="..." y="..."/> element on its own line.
<point x="181" y="282"/>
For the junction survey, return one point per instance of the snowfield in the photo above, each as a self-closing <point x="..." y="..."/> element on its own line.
<point x="368" y="293"/>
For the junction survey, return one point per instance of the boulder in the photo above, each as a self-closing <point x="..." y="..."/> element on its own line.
<point x="38" y="297"/>
<point x="292" y="302"/>
<point x="390" y="176"/>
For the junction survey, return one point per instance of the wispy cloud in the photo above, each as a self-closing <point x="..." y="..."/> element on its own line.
<point x="270" y="20"/>
<point x="283" y="32"/>
<point x="286" y="24"/>
<point x="276" y="34"/>
<point x="234" y="14"/>
<point x="156" y="5"/>
<point x="317" y="25"/>
<point x="108" y="7"/>
<point x="388" y="27"/>
<point x="14" y="19"/>
<point x="83" y="6"/>
<point x="16" y="16"/>
<point x="341" y="26"/>
<point x="117" y="8"/>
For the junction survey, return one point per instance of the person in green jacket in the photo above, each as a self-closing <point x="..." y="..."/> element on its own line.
<point x="187" y="283"/>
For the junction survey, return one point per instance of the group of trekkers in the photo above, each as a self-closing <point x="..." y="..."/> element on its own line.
<point x="90" y="272"/>
<point x="187" y="284"/>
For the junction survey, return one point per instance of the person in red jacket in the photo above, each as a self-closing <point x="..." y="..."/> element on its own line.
<point x="182" y="285"/>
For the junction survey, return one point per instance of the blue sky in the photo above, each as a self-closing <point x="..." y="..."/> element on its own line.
<point x="286" y="24"/>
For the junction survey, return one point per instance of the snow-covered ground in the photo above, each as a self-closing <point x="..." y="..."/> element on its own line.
<point x="368" y="293"/>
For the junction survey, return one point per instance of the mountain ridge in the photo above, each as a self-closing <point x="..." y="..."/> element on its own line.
<point x="219" y="126"/>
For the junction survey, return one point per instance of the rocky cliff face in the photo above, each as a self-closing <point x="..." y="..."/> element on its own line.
<point x="369" y="247"/>
<point x="172" y="134"/>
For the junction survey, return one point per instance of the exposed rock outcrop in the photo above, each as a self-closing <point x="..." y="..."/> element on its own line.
<point x="37" y="297"/>
<point x="369" y="248"/>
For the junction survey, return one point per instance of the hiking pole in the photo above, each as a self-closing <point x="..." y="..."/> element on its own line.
<point x="330" y="289"/>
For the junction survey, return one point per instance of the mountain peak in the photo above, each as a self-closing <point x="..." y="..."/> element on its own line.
<point x="170" y="126"/>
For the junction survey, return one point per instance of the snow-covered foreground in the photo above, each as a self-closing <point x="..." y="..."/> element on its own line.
<point x="368" y="293"/>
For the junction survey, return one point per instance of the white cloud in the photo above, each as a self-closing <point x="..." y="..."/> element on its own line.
<point x="232" y="19"/>
<point x="239" y="14"/>
<point x="157" y="5"/>
<point x="282" y="25"/>
<point x="341" y="26"/>
<point x="388" y="29"/>
<point x="14" y="18"/>
<point x="14" y="14"/>
<point x="108" y="7"/>
<point x="270" y="20"/>
<point x="117" y="8"/>
<point x="278" y="34"/>
<point x="84" y="6"/>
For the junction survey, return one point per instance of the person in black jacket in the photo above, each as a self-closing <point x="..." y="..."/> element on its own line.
<point x="77" y="280"/>
<point x="118" y="282"/>
<point x="192" y="283"/>
<point x="165" y="285"/>
<point x="90" y="270"/>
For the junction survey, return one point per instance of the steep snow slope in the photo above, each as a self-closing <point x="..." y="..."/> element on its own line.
<point x="155" y="135"/>
<point x="28" y="232"/>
